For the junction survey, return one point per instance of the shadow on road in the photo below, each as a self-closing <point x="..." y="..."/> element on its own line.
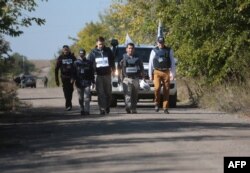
<point x="43" y="134"/>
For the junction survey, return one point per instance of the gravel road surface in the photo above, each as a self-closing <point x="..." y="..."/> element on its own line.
<point x="44" y="138"/>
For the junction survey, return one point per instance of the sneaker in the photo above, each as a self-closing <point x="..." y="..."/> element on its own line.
<point x="107" y="110"/>
<point x="166" y="111"/>
<point x="156" y="108"/>
<point x="102" y="112"/>
<point x="128" y="110"/>
<point x="86" y="113"/>
<point x="68" y="108"/>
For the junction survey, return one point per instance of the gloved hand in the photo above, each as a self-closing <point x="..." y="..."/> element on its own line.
<point x="57" y="83"/>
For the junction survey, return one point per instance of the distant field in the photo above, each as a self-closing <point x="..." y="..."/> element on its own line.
<point x="40" y="64"/>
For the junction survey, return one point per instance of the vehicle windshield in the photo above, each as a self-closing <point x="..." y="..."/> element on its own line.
<point x="143" y="53"/>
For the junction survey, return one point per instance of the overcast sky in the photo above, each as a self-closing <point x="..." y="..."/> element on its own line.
<point x="64" y="18"/>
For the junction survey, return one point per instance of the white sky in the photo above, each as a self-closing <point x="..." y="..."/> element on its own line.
<point x="64" y="18"/>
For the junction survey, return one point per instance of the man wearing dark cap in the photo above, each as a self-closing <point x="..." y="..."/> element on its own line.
<point x="83" y="76"/>
<point x="65" y="63"/>
<point x="161" y="67"/>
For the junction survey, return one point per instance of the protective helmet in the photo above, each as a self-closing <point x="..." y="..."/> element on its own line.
<point x="144" y="85"/>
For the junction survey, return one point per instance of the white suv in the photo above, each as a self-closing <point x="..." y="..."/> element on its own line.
<point x="144" y="52"/>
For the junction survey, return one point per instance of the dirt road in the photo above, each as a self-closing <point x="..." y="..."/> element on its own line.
<point x="45" y="138"/>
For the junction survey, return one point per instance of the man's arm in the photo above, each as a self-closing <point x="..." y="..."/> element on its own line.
<point x="91" y="57"/>
<point x="111" y="59"/>
<point x="150" y="65"/>
<point x="58" y="64"/>
<point x="74" y="71"/>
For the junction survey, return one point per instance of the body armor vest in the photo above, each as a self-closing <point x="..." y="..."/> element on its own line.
<point x="83" y="72"/>
<point x="67" y="66"/>
<point x="83" y="68"/>
<point x="132" y="67"/>
<point x="162" y="59"/>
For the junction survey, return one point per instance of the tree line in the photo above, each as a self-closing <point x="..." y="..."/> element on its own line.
<point x="211" y="38"/>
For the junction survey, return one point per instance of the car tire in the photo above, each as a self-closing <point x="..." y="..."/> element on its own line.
<point x="113" y="101"/>
<point x="172" y="100"/>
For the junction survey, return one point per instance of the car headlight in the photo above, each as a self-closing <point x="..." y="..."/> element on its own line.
<point x="116" y="72"/>
<point x="171" y="76"/>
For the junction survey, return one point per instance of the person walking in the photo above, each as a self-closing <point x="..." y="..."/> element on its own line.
<point x="45" y="81"/>
<point x="104" y="65"/>
<point x="83" y="76"/>
<point x="132" y="70"/>
<point x="64" y="63"/>
<point x="161" y="68"/>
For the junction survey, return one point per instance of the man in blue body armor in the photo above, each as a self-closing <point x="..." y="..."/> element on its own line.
<point x="161" y="68"/>
<point x="83" y="76"/>
<point x="132" y="70"/>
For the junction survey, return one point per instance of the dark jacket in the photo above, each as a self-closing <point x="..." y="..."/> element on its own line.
<point x="83" y="73"/>
<point x="65" y="64"/>
<point x="103" y="61"/>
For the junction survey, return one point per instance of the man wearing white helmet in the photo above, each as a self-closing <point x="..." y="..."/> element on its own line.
<point x="132" y="70"/>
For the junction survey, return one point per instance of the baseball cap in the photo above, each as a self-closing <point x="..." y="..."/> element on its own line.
<point x="65" y="46"/>
<point x="160" y="39"/>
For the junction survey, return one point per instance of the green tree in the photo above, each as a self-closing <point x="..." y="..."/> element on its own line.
<point x="12" y="16"/>
<point x="211" y="39"/>
<point x="137" y="18"/>
<point x="88" y="35"/>
<point x="21" y="64"/>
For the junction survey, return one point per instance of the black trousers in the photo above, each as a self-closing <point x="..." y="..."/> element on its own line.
<point x="68" y="91"/>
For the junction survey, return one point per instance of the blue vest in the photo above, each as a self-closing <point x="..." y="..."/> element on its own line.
<point x="131" y="66"/>
<point x="84" y="72"/>
<point x="162" y="59"/>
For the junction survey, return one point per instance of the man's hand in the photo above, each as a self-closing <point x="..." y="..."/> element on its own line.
<point x="72" y="81"/>
<point x="151" y="78"/>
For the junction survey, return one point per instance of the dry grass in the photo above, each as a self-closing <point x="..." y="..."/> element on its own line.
<point x="183" y="91"/>
<point x="8" y="95"/>
<point x="227" y="98"/>
<point x="39" y="64"/>
<point x="230" y="98"/>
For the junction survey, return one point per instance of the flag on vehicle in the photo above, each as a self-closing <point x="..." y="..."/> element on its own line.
<point x="128" y="39"/>
<point x="160" y="30"/>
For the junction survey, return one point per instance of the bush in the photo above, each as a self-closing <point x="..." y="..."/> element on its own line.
<point x="8" y="95"/>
